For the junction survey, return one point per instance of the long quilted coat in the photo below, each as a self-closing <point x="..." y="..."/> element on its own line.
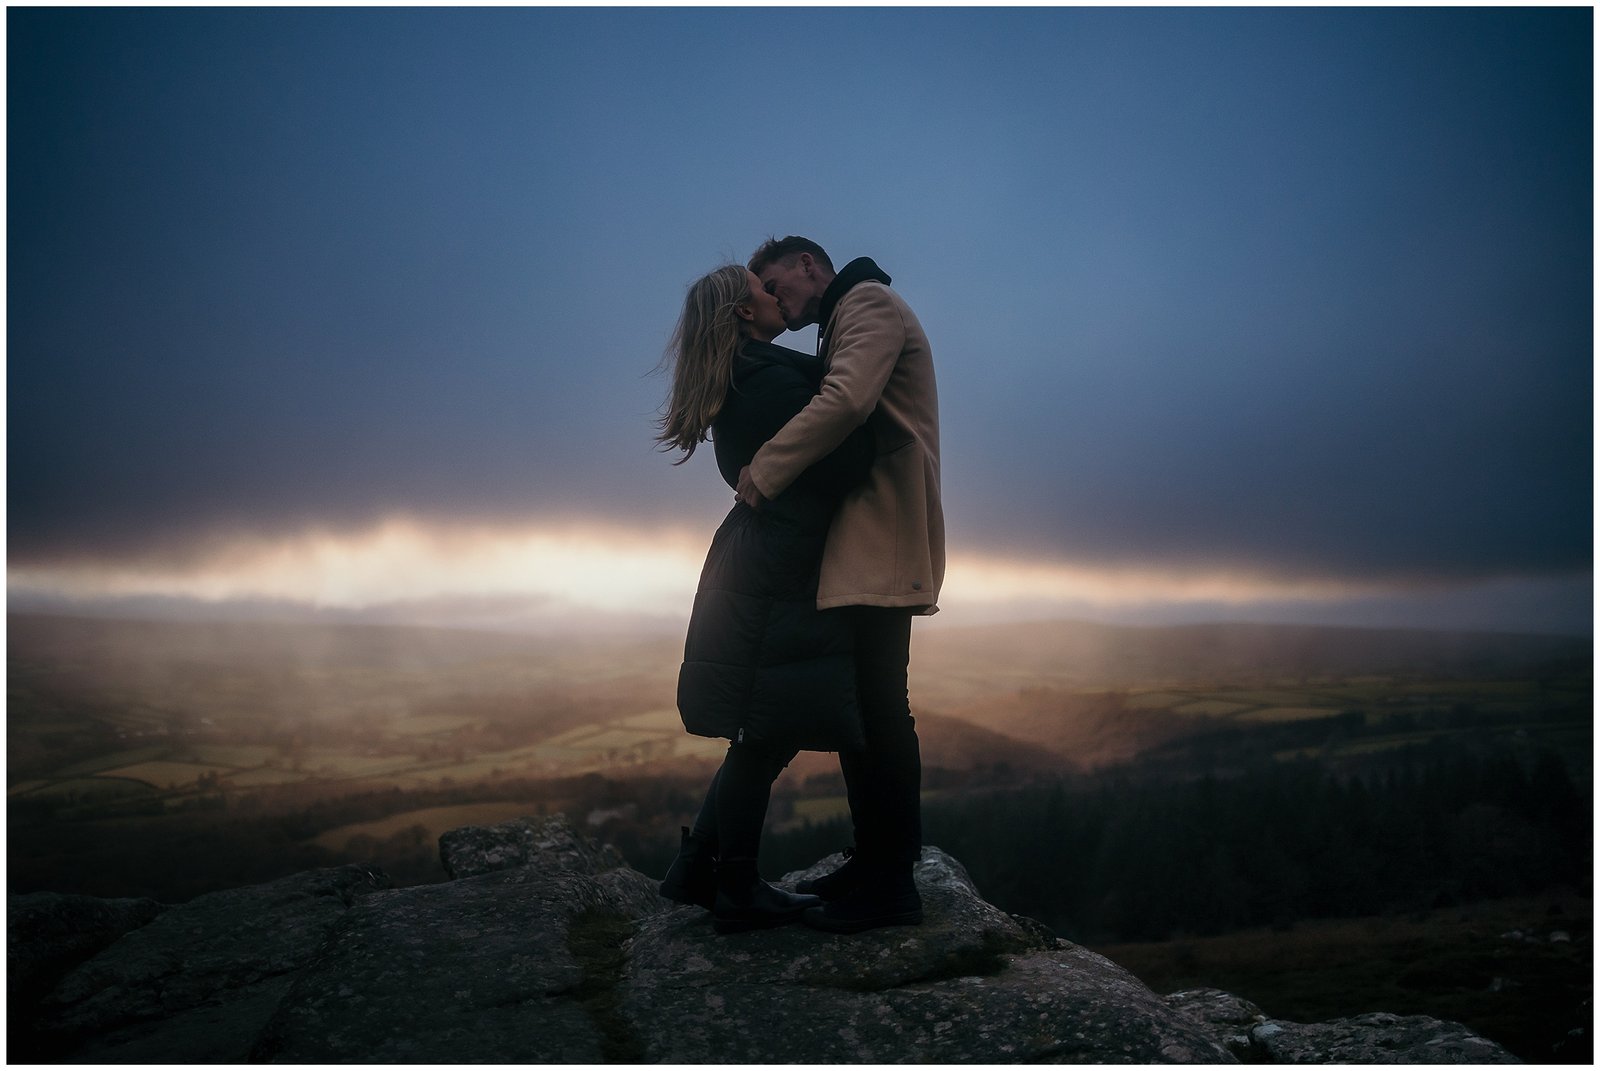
<point x="761" y="663"/>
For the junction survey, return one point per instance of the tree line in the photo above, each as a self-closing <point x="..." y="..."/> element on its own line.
<point x="1129" y="858"/>
<point x="1145" y="852"/>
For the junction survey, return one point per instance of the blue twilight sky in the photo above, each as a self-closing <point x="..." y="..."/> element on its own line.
<point x="1303" y="294"/>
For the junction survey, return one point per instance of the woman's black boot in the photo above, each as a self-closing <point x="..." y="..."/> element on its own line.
<point x="692" y="877"/>
<point x="745" y="902"/>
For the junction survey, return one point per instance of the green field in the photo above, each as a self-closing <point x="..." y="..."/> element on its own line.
<point x="652" y="735"/>
<point x="431" y="724"/>
<point x="263" y="776"/>
<point x="113" y="760"/>
<point x="1282" y="714"/>
<point x="434" y="820"/>
<point x="89" y="789"/>
<point x="238" y="756"/>
<point x="820" y="809"/>
<point x="1157" y="700"/>
<point x="164" y="774"/>
<point x="1380" y="698"/>
<point x="1210" y="708"/>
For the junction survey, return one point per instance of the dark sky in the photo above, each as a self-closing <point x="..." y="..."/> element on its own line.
<point x="1305" y="293"/>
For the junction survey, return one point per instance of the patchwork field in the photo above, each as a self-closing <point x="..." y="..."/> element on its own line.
<point x="413" y="752"/>
<point x="171" y="714"/>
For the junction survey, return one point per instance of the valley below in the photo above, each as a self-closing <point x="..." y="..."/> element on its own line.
<point x="1233" y="805"/>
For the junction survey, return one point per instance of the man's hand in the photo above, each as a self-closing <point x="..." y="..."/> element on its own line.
<point x="748" y="492"/>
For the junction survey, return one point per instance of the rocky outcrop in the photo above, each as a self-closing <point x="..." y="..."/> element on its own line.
<point x="972" y="984"/>
<point x="504" y="965"/>
<point x="1378" y="1038"/>
<point x="198" y="981"/>
<point x="551" y="843"/>
<point x="1225" y="1017"/>
<point x="547" y="948"/>
<point x="47" y="934"/>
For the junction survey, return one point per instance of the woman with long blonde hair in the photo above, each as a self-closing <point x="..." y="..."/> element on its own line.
<point x="762" y="665"/>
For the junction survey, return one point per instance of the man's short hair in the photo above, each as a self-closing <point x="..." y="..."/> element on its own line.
<point x="776" y="249"/>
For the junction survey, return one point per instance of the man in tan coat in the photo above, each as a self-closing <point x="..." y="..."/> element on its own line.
<point x="884" y="560"/>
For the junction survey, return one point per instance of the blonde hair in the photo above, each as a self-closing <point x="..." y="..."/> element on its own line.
<point x="701" y="352"/>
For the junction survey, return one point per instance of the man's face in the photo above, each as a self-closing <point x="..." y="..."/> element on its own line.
<point x="794" y="283"/>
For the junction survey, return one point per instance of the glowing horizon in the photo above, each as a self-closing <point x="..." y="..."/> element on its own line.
<point x="608" y="569"/>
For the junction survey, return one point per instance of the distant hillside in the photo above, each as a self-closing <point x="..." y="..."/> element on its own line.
<point x="237" y="670"/>
<point x="82" y="687"/>
<point x="359" y="701"/>
<point x="950" y="664"/>
<point x="254" y="668"/>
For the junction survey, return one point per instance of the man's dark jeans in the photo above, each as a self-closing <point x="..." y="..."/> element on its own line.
<point x="884" y="781"/>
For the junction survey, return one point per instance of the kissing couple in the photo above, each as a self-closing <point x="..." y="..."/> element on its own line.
<point x="800" y="635"/>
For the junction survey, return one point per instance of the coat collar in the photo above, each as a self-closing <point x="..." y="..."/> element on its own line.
<point x="859" y="270"/>
<point x="753" y="354"/>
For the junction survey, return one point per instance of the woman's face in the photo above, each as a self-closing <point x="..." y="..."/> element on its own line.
<point x="766" y="322"/>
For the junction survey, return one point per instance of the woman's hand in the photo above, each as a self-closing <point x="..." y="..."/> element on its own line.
<point x="748" y="492"/>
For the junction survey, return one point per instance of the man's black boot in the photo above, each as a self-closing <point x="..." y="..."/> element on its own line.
<point x="836" y="883"/>
<point x="886" y="896"/>
<point x="692" y="877"/>
<point x="745" y="902"/>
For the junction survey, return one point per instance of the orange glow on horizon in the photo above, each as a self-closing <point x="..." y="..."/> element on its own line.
<point x="594" y="567"/>
<point x="403" y="561"/>
<point x="978" y="579"/>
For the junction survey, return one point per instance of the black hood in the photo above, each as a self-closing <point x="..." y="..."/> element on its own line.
<point x="859" y="270"/>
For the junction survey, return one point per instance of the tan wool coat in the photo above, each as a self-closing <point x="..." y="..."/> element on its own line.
<point x="886" y="543"/>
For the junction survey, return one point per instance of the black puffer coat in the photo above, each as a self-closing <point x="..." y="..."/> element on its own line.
<point x="761" y="663"/>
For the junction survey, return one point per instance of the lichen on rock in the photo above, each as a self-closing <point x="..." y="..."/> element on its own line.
<point x="972" y="984"/>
